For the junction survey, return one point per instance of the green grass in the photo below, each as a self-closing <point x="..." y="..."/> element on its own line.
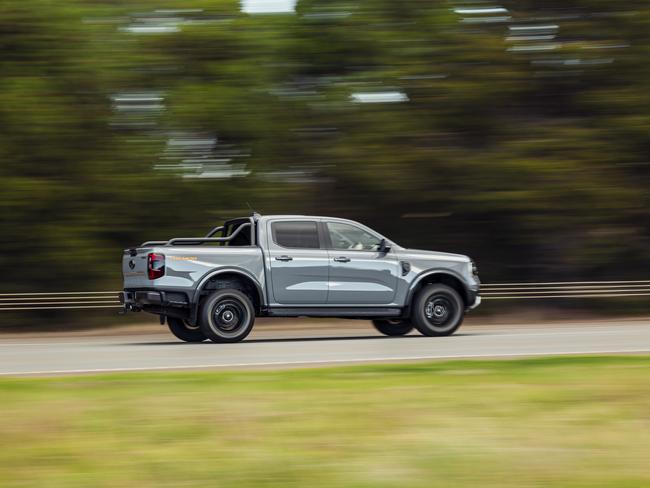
<point x="565" y="422"/>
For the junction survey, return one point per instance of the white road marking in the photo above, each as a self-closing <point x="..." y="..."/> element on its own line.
<point x="324" y="362"/>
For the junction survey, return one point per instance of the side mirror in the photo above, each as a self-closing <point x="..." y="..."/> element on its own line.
<point x="384" y="246"/>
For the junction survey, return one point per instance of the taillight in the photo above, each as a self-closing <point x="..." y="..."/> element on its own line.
<point x="155" y="265"/>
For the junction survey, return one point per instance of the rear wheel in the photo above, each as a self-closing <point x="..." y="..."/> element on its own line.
<point x="437" y="310"/>
<point x="227" y="316"/>
<point x="184" y="330"/>
<point x="393" y="327"/>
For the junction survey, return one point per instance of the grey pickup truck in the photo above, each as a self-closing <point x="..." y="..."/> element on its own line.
<point x="213" y="287"/>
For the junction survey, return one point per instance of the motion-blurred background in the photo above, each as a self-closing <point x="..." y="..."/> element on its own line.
<point x="515" y="132"/>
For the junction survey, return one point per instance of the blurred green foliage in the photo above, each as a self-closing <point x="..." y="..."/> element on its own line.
<point x="534" y="161"/>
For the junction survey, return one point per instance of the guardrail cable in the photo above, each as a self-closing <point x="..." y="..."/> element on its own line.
<point x="490" y="291"/>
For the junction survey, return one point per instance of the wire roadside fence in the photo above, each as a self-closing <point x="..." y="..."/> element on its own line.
<point x="59" y="300"/>
<point x="71" y="300"/>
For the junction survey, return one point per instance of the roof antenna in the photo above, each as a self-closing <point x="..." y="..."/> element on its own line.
<point x="255" y="214"/>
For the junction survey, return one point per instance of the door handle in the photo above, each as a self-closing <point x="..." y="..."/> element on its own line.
<point x="342" y="259"/>
<point x="283" y="258"/>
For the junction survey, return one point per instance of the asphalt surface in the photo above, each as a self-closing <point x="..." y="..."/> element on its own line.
<point x="299" y="345"/>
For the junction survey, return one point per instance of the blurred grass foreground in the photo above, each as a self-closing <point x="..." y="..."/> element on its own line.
<point x="564" y="422"/>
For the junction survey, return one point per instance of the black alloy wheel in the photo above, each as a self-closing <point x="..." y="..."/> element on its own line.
<point x="438" y="310"/>
<point x="227" y="316"/>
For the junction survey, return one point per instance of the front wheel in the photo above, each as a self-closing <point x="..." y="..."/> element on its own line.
<point x="183" y="330"/>
<point x="393" y="327"/>
<point x="227" y="316"/>
<point x="437" y="310"/>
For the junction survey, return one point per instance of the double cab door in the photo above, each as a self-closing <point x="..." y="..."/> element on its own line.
<point x="321" y="262"/>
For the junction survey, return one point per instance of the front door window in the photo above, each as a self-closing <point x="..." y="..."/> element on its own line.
<point x="349" y="237"/>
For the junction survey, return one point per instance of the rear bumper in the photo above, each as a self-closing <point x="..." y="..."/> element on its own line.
<point x="137" y="300"/>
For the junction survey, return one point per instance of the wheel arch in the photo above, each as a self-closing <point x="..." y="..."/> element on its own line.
<point x="445" y="277"/>
<point x="243" y="280"/>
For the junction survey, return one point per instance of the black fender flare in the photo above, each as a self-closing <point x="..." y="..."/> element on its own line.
<point x="209" y="276"/>
<point x="431" y="272"/>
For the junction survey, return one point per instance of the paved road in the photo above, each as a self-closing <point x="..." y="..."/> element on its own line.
<point x="351" y="342"/>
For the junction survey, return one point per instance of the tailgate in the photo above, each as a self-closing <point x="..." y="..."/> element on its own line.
<point x="134" y="267"/>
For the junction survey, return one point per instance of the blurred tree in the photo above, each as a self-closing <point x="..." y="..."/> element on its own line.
<point x="517" y="134"/>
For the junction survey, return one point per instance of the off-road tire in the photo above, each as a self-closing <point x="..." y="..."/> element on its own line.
<point x="437" y="310"/>
<point x="227" y="316"/>
<point x="393" y="327"/>
<point x="184" y="331"/>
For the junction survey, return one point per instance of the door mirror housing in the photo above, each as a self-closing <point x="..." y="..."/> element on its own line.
<point x="384" y="246"/>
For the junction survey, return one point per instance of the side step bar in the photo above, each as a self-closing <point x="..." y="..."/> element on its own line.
<point x="334" y="312"/>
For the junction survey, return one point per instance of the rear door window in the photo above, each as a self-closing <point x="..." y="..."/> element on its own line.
<point x="296" y="234"/>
